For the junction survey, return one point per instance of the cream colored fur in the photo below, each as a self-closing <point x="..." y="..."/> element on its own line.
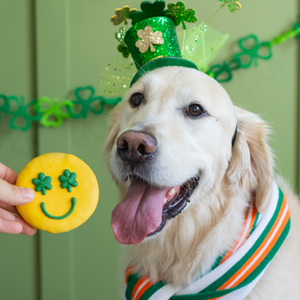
<point x="190" y="244"/>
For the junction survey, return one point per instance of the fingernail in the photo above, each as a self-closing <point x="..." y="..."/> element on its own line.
<point x="28" y="193"/>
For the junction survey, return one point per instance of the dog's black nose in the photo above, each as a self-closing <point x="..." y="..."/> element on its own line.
<point x="135" y="147"/>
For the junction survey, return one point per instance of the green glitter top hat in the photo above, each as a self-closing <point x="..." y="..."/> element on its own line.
<point x="151" y="42"/>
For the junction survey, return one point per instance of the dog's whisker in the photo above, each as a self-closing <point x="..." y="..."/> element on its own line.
<point x="141" y="70"/>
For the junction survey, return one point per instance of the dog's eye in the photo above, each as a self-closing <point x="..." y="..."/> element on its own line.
<point x="136" y="99"/>
<point x="195" y="110"/>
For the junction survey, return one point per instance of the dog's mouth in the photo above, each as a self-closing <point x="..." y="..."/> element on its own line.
<point x="146" y="209"/>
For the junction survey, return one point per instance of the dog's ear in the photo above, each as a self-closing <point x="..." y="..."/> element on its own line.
<point x="251" y="164"/>
<point x="114" y="127"/>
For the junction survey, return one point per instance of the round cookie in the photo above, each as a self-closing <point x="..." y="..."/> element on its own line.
<point x="66" y="192"/>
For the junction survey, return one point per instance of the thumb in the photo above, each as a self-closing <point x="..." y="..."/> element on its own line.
<point x="15" y="195"/>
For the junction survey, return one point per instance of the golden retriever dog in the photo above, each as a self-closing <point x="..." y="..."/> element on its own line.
<point x="177" y="135"/>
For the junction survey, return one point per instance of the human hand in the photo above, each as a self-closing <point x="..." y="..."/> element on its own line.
<point x="10" y="196"/>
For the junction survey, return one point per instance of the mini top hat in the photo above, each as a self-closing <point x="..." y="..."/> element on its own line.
<point x="152" y="43"/>
<point x="152" y="40"/>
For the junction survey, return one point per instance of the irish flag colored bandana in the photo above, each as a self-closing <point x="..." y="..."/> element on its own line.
<point x="234" y="274"/>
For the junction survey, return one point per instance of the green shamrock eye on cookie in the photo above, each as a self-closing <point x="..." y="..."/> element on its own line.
<point x="42" y="183"/>
<point x="68" y="180"/>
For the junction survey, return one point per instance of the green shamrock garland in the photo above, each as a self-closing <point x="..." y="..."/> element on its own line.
<point x="250" y="54"/>
<point x="51" y="113"/>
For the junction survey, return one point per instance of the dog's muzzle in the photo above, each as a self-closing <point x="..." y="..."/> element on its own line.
<point x="136" y="147"/>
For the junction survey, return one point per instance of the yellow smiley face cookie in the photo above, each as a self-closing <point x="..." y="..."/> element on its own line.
<point x="66" y="192"/>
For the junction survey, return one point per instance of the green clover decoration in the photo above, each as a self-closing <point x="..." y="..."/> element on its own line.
<point x="3" y="104"/>
<point x="287" y="35"/>
<point x="21" y="112"/>
<point x="249" y="55"/>
<point x="233" y="5"/>
<point x="122" y="14"/>
<point x="68" y="180"/>
<point x="12" y="105"/>
<point x="149" y="10"/>
<point x="179" y="15"/>
<point x="53" y="110"/>
<point x="223" y="73"/>
<point x="123" y="48"/>
<point x="120" y="35"/>
<point x="86" y="103"/>
<point x="42" y="183"/>
<point x="297" y="27"/>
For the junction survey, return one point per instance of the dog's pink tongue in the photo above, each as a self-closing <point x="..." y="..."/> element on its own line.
<point x="139" y="214"/>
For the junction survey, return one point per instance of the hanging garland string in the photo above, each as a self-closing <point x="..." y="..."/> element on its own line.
<point x="249" y="55"/>
<point x="52" y="112"/>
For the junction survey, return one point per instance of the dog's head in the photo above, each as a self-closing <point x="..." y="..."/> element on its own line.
<point x="172" y="134"/>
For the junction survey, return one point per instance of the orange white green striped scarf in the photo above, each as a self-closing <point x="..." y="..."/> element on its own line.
<point x="236" y="273"/>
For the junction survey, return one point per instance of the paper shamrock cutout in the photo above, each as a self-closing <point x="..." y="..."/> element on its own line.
<point x="3" y="104"/>
<point x="179" y="15"/>
<point x="233" y="5"/>
<point x="121" y="15"/>
<point x="297" y="26"/>
<point x="21" y="112"/>
<point x="149" y="10"/>
<point x="123" y="48"/>
<point x="250" y="54"/>
<point x="42" y="183"/>
<point x="86" y="104"/>
<point x="53" y="109"/>
<point x="68" y="180"/>
<point x="223" y="73"/>
<point x="148" y="38"/>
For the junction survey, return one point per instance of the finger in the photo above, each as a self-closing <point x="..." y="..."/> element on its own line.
<point x="14" y="195"/>
<point x="14" y="224"/>
<point x="8" y="174"/>
<point x="11" y="227"/>
<point x="10" y="208"/>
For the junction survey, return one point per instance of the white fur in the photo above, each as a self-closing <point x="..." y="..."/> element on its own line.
<point x="190" y="244"/>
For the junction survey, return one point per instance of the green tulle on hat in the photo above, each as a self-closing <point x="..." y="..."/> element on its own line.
<point x="196" y="47"/>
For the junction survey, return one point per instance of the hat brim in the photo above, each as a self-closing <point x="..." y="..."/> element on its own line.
<point x="160" y="63"/>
